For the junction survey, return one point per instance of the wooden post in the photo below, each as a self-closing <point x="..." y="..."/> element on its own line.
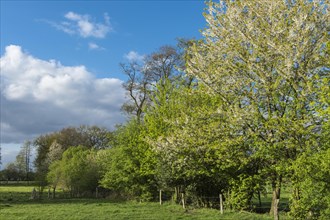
<point x="33" y="194"/>
<point x="183" y="202"/>
<point x="160" y="197"/>
<point x="48" y="192"/>
<point x="96" y="192"/>
<point x="221" y="203"/>
<point x="228" y="202"/>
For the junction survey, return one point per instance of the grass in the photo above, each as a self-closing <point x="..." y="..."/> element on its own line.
<point x="15" y="204"/>
<point x="266" y="201"/>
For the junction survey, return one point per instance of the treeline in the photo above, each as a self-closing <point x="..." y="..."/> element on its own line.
<point x="244" y="108"/>
<point x="21" y="168"/>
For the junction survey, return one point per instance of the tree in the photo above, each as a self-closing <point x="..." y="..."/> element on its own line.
<point x="23" y="158"/>
<point x="96" y="137"/>
<point x="50" y="147"/>
<point x="41" y="162"/>
<point x="130" y="164"/>
<point x="263" y="60"/>
<point x="142" y="77"/>
<point x="54" y="153"/>
<point x="54" y="176"/>
<point x="187" y="130"/>
<point x="77" y="171"/>
<point x="312" y="197"/>
<point x="312" y="169"/>
<point x="11" y="172"/>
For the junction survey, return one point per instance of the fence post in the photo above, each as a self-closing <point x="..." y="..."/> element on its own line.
<point x="33" y="194"/>
<point x="160" y="197"/>
<point x="221" y="203"/>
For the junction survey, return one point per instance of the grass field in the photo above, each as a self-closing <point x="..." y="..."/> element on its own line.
<point x="15" y="204"/>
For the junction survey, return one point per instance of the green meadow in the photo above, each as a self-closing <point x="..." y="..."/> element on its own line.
<point x="16" y="204"/>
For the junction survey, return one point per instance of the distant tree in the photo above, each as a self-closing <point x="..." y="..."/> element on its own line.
<point x="41" y="162"/>
<point x="54" y="153"/>
<point x="96" y="137"/>
<point x="23" y="160"/>
<point x="54" y="176"/>
<point x="11" y="172"/>
<point x="161" y="65"/>
<point x="76" y="171"/>
<point x="50" y="147"/>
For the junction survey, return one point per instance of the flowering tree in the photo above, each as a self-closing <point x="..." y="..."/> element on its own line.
<point x="264" y="60"/>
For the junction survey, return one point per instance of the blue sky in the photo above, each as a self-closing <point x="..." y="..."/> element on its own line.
<point x="60" y="60"/>
<point x="141" y="26"/>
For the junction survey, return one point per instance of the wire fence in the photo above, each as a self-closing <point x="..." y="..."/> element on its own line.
<point x="166" y="196"/>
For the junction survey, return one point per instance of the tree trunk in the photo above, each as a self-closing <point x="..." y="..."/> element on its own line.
<point x="176" y="196"/>
<point x="259" y="198"/>
<point x="183" y="201"/>
<point x="275" y="202"/>
<point x="276" y="186"/>
<point x="54" y="189"/>
<point x="297" y="193"/>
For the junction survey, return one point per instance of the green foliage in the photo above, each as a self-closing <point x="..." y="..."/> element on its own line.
<point x="242" y="191"/>
<point x="185" y="130"/>
<point x="263" y="61"/>
<point x="50" y="147"/>
<point x="130" y="165"/>
<point x="312" y="197"/>
<point x="54" y="174"/>
<point x="11" y="172"/>
<point x="252" y="111"/>
<point x="76" y="171"/>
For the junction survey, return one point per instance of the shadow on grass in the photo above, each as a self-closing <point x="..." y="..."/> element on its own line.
<point x="266" y="205"/>
<point x="10" y="198"/>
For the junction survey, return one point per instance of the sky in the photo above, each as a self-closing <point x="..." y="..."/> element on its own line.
<point x="60" y="60"/>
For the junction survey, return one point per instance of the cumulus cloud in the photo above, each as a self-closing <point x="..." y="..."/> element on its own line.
<point x="40" y="96"/>
<point x="83" y="25"/>
<point x="94" y="46"/>
<point x="134" y="56"/>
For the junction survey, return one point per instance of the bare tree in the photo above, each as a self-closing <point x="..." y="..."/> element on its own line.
<point x="156" y="68"/>
<point x="23" y="160"/>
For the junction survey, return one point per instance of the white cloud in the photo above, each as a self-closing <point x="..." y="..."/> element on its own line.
<point x="83" y="25"/>
<point x="39" y="96"/>
<point x="94" y="46"/>
<point x="134" y="56"/>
